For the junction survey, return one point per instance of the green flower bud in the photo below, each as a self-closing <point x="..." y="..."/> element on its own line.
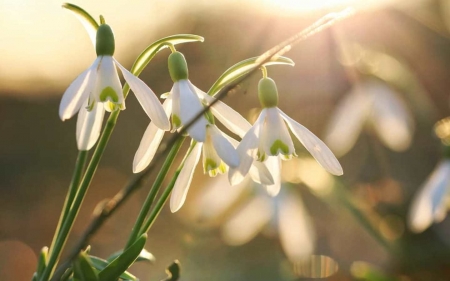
<point x="177" y="67"/>
<point x="105" y="45"/>
<point x="267" y="92"/>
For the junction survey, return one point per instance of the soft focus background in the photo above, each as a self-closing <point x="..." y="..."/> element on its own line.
<point x="404" y="44"/>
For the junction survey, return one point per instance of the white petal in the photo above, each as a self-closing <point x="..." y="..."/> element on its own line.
<point x="150" y="142"/>
<point x="260" y="173"/>
<point x="183" y="182"/>
<point x="89" y="125"/>
<point x="211" y="202"/>
<point x="223" y="147"/>
<point x="147" y="98"/>
<point x="391" y="119"/>
<point x="226" y="115"/>
<point x="347" y="121"/>
<point x="275" y="134"/>
<point x="248" y="221"/>
<point x="315" y="146"/>
<point x="295" y="229"/>
<point x="190" y="106"/>
<point x="107" y="77"/>
<point x="246" y="150"/>
<point x="273" y="164"/>
<point x="78" y="92"/>
<point x="429" y="202"/>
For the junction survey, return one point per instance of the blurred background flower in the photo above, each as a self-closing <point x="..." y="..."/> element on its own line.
<point x="406" y="44"/>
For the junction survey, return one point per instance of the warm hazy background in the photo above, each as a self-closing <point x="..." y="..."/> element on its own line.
<point x="43" y="48"/>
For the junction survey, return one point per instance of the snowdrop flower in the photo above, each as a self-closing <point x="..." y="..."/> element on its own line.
<point x="429" y="204"/>
<point x="183" y="103"/>
<point x="269" y="139"/>
<point x="376" y="104"/>
<point x="254" y="211"/>
<point x="98" y="89"/>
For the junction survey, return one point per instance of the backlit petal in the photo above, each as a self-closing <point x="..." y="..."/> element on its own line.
<point x="428" y="204"/>
<point x="260" y="173"/>
<point x="246" y="151"/>
<point x="107" y="85"/>
<point x="190" y="107"/>
<point x="78" y="92"/>
<point x="275" y="138"/>
<point x="273" y="164"/>
<point x="223" y="147"/>
<point x="150" y="142"/>
<point x="89" y="124"/>
<point x="347" y="121"/>
<point x="248" y="221"/>
<point x="315" y="146"/>
<point x="226" y="115"/>
<point x="295" y="228"/>
<point x="183" y="182"/>
<point x="147" y="98"/>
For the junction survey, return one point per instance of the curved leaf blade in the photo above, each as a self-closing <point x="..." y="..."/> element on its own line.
<point x="119" y="265"/>
<point x="147" y="55"/>
<point x="83" y="269"/>
<point x="100" y="264"/>
<point x="241" y="68"/>
<point x="85" y="18"/>
<point x="143" y="256"/>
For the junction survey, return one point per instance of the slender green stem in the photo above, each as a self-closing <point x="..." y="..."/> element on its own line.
<point x="154" y="191"/>
<point x="79" y="168"/>
<point x="78" y="200"/>
<point x="163" y="199"/>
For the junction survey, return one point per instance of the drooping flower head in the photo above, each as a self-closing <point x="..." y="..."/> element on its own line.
<point x="100" y="84"/>
<point x="270" y="137"/>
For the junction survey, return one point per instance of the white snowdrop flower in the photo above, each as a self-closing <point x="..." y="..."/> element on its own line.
<point x="269" y="136"/>
<point x="183" y="103"/>
<point x="429" y="204"/>
<point x="100" y="84"/>
<point x="373" y="103"/>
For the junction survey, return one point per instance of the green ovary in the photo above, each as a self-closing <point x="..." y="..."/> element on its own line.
<point x="278" y="145"/>
<point x="108" y="93"/>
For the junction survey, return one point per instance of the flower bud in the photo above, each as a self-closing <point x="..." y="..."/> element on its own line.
<point x="105" y="44"/>
<point x="267" y="93"/>
<point x="177" y="67"/>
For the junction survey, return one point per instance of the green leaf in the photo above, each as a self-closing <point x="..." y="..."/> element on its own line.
<point x="100" y="264"/>
<point x="241" y="68"/>
<point x="85" y="18"/>
<point x="119" y="265"/>
<point x="42" y="262"/>
<point x="173" y="271"/>
<point x="143" y="256"/>
<point x="83" y="269"/>
<point x="147" y="55"/>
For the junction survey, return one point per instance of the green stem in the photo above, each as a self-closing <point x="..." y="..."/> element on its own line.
<point x="78" y="200"/>
<point x="154" y="191"/>
<point x="163" y="199"/>
<point x="79" y="167"/>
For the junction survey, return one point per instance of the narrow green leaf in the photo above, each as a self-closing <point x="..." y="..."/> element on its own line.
<point x="85" y="18"/>
<point x="83" y="269"/>
<point x="241" y="68"/>
<point x="147" y="55"/>
<point x="118" y="266"/>
<point x="100" y="264"/>
<point x="143" y="256"/>
<point x="173" y="271"/>
<point x="42" y="262"/>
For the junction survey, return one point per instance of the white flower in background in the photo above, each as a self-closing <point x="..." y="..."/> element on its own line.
<point x="374" y="103"/>
<point x="430" y="203"/>
<point x="269" y="139"/>
<point x="183" y="103"/>
<point x="100" y="84"/>
<point x="252" y="212"/>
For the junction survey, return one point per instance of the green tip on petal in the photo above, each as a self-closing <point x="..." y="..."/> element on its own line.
<point x="177" y="67"/>
<point x="108" y="93"/>
<point x="105" y="44"/>
<point x="267" y="93"/>
<point x="278" y="145"/>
